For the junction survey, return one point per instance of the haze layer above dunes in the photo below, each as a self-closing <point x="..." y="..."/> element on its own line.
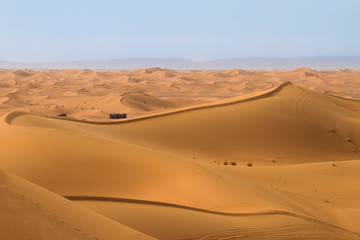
<point x="302" y="145"/>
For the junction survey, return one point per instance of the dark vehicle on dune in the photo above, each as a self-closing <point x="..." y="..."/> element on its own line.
<point x="117" y="115"/>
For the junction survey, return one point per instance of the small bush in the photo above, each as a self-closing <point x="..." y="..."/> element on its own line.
<point x="226" y="162"/>
<point x="249" y="164"/>
<point x="233" y="163"/>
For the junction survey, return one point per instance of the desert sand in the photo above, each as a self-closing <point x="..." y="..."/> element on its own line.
<point x="203" y="155"/>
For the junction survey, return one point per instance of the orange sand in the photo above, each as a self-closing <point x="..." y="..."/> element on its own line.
<point x="162" y="171"/>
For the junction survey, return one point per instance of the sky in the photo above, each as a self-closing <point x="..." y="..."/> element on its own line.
<point x="62" y="30"/>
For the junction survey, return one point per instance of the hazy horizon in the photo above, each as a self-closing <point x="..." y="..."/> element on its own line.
<point x="178" y="58"/>
<point x="316" y="63"/>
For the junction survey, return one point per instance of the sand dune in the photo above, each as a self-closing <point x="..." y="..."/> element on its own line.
<point x="144" y="102"/>
<point x="172" y="164"/>
<point x="67" y="90"/>
<point x="186" y="222"/>
<point x="30" y="212"/>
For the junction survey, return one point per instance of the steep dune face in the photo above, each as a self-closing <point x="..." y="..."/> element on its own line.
<point x="288" y="123"/>
<point x="172" y="164"/>
<point x="30" y="212"/>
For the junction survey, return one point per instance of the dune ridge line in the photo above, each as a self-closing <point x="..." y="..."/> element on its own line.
<point x="11" y="116"/>
<point x="164" y="204"/>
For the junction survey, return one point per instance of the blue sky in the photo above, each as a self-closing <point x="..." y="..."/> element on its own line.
<point x="36" y="30"/>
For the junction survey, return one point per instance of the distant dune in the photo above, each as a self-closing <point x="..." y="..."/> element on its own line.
<point x="145" y="102"/>
<point x="93" y="95"/>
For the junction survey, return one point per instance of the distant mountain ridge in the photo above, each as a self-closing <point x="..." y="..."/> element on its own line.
<point x="329" y="62"/>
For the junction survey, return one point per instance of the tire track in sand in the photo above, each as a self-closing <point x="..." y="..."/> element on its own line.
<point x="298" y="110"/>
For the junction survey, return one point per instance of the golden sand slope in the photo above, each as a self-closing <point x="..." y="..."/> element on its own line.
<point x="164" y="174"/>
<point x="30" y="212"/>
